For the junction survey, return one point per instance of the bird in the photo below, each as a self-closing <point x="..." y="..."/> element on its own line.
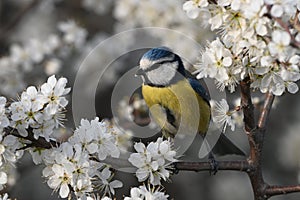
<point x="169" y="88"/>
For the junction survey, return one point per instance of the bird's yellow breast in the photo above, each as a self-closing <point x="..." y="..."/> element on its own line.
<point x="189" y="109"/>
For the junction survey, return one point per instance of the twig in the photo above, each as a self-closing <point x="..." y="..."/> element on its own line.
<point x="248" y="111"/>
<point x="205" y="166"/>
<point x="264" y="116"/>
<point x="40" y="142"/>
<point x="280" y="190"/>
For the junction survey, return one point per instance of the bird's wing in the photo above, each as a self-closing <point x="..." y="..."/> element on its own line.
<point x="199" y="89"/>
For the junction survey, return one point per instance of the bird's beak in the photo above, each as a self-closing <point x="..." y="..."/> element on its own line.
<point x="139" y="72"/>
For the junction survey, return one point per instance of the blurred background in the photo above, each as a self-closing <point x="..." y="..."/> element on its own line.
<point x="39" y="38"/>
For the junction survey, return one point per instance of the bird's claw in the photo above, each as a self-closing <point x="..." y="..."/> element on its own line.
<point x="214" y="165"/>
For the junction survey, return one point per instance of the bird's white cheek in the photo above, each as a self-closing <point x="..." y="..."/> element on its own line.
<point x="164" y="74"/>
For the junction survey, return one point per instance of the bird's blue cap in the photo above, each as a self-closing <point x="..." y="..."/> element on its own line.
<point x="157" y="53"/>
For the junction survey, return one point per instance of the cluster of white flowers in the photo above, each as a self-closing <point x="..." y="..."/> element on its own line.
<point x="35" y="52"/>
<point x="79" y="162"/>
<point x="8" y="146"/>
<point x="144" y="193"/>
<point x="96" y="138"/>
<point x="152" y="161"/>
<point x="40" y="109"/>
<point x="255" y="43"/>
<point x="71" y="166"/>
<point x="9" y="155"/>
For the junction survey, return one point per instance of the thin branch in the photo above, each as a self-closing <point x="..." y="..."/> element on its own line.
<point x="206" y="166"/>
<point x="255" y="138"/>
<point x="266" y="111"/>
<point x="40" y="142"/>
<point x="280" y="190"/>
<point x="247" y="106"/>
<point x="248" y="111"/>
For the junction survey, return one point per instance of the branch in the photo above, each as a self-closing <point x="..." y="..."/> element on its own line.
<point x="248" y="111"/>
<point x="206" y="166"/>
<point x="255" y="138"/>
<point x="247" y="106"/>
<point x="279" y="190"/>
<point x="266" y="111"/>
<point x="40" y="142"/>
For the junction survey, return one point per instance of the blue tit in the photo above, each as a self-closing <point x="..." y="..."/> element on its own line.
<point x="169" y="88"/>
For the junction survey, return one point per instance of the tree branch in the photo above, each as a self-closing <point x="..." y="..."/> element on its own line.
<point x="248" y="111"/>
<point x="206" y="166"/>
<point x="266" y="111"/>
<point x="40" y="142"/>
<point x="255" y="138"/>
<point x="247" y="106"/>
<point x="279" y="190"/>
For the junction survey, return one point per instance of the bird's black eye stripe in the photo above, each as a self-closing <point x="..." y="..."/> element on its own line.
<point x="163" y="62"/>
<point x="157" y="65"/>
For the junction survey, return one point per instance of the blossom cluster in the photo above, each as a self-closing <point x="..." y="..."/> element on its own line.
<point x="79" y="163"/>
<point x="259" y="40"/>
<point x="152" y="161"/>
<point x="8" y="146"/>
<point x="40" y="110"/>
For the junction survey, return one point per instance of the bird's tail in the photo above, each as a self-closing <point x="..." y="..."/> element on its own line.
<point x="225" y="146"/>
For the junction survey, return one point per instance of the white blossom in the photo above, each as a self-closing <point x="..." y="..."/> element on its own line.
<point x="193" y="7"/>
<point x="215" y="61"/>
<point x="221" y="114"/>
<point x="144" y="193"/>
<point x="153" y="160"/>
<point x="280" y="44"/>
<point x="107" y="185"/>
<point x="40" y="109"/>
<point x="97" y="138"/>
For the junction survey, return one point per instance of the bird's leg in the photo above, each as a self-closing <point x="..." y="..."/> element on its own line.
<point x="213" y="163"/>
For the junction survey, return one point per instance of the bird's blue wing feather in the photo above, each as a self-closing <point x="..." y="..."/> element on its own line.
<point x="196" y="85"/>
